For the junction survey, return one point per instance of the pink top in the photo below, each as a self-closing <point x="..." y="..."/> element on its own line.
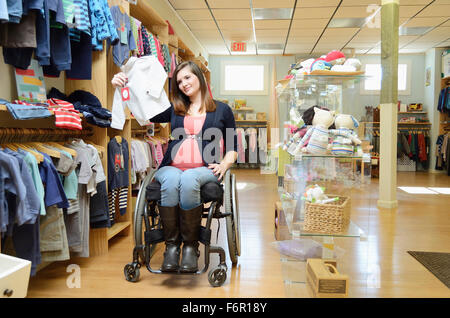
<point x="188" y="155"/>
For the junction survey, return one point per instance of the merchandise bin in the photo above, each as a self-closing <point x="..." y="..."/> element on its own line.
<point x="14" y="276"/>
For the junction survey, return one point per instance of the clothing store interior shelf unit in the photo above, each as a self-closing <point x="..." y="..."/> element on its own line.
<point x="444" y="118"/>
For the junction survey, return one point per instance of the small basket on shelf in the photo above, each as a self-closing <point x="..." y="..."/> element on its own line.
<point x="332" y="217"/>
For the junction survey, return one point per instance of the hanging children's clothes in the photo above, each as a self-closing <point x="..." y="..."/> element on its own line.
<point x="118" y="156"/>
<point x="147" y="98"/>
<point x="126" y="43"/>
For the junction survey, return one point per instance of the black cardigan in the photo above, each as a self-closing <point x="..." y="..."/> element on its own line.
<point x="222" y="118"/>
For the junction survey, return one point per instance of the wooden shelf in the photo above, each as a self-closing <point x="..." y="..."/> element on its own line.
<point x="117" y="228"/>
<point x="251" y="121"/>
<point x="245" y="109"/>
<point x="3" y="108"/>
<point x="377" y="122"/>
<point x="412" y="113"/>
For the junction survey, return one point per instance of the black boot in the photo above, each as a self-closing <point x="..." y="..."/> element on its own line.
<point x="190" y="221"/>
<point x="171" y="227"/>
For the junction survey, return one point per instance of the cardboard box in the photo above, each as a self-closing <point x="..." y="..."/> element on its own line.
<point x="324" y="280"/>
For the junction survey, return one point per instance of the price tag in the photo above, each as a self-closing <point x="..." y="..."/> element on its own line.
<point x="125" y="93"/>
<point x="123" y="36"/>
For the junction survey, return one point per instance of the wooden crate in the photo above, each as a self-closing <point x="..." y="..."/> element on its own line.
<point x="324" y="280"/>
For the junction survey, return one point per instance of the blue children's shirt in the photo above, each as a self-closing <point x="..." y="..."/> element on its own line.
<point x="54" y="190"/>
<point x="126" y="42"/>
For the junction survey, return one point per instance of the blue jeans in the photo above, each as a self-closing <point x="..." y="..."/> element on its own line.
<point x="183" y="187"/>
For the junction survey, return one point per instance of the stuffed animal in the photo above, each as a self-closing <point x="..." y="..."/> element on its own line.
<point x="320" y="64"/>
<point x="350" y="65"/>
<point x="335" y="58"/>
<point x="316" y="194"/>
<point x="345" y="139"/>
<point x="317" y="134"/>
<point x="296" y="124"/>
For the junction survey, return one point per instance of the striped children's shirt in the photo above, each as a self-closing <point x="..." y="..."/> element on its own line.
<point x="66" y="116"/>
<point x="81" y="16"/>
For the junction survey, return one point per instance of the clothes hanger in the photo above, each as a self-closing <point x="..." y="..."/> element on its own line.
<point x="39" y="157"/>
<point x="122" y="10"/>
<point x="72" y="152"/>
<point x="118" y="139"/>
<point x="48" y="151"/>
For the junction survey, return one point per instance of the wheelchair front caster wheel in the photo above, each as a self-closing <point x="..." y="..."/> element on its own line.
<point x="131" y="272"/>
<point x="217" y="276"/>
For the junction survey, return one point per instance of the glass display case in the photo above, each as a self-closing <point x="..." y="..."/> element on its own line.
<point x="322" y="197"/>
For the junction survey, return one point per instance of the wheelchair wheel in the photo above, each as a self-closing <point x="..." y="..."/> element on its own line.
<point x="131" y="272"/>
<point x="141" y="202"/>
<point x="217" y="276"/>
<point x="232" y="221"/>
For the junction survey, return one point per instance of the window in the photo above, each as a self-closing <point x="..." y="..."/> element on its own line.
<point x="372" y="85"/>
<point x="244" y="79"/>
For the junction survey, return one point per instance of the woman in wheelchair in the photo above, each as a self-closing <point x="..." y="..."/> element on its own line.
<point x="192" y="159"/>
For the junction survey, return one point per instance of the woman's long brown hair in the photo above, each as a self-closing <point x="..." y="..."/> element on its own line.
<point x="180" y="101"/>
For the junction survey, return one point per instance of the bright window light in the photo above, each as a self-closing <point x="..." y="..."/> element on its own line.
<point x="417" y="190"/>
<point x="374" y="82"/>
<point x="244" y="78"/>
<point x="441" y="190"/>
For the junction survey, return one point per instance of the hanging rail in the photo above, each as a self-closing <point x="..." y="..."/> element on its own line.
<point x="41" y="134"/>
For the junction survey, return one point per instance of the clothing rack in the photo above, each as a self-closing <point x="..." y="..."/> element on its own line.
<point x="41" y="134"/>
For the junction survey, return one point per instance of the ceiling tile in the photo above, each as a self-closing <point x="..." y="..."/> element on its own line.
<point x="303" y="41"/>
<point x="435" y="11"/>
<point x="409" y="11"/>
<point x="352" y="3"/>
<point x="315" y="3"/>
<point x="235" y="24"/>
<point x="314" y="33"/>
<point x="270" y="33"/>
<point x="354" y="12"/>
<point x="191" y="4"/>
<point x="405" y="39"/>
<point x="313" y="13"/>
<point x="197" y="14"/>
<point x="424" y="22"/>
<point x="273" y="4"/>
<point x="207" y="34"/>
<point x="268" y="39"/>
<point x="341" y="32"/>
<point x="272" y="24"/>
<point x="309" y="23"/>
<point x="201" y="25"/>
<point x="232" y="14"/>
<point x="447" y="24"/>
<point x="228" y="4"/>
<point x="411" y="51"/>
<point x="216" y="49"/>
<point x="238" y="33"/>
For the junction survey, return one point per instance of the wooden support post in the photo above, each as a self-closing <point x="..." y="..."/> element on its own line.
<point x="388" y="104"/>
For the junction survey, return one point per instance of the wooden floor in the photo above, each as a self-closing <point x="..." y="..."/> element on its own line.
<point x="378" y="266"/>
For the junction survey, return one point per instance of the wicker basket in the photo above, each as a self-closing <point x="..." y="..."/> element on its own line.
<point x="333" y="217"/>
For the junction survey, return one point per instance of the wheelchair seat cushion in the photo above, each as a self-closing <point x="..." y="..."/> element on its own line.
<point x="211" y="191"/>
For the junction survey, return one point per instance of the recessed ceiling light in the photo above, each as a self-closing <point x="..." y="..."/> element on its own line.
<point x="347" y="22"/>
<point x="270" y="46"/>
<point x="413" y="30"/>
<point x="272" y="13"/>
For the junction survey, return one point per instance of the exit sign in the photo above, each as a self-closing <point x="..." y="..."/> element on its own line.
<point x="239" y="47"/>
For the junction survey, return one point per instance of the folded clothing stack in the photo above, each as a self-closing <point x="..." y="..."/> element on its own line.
<point x="86" y="103"/>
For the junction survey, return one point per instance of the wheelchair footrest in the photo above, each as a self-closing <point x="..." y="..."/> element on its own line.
<point x="154" y="236"/>
<point x="205" y="235"/>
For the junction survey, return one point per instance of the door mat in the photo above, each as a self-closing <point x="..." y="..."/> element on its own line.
<point x="437" y="263"/>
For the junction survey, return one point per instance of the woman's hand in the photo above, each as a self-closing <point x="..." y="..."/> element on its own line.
<point x="219" y="169"/>
<point x="119" y="80"/>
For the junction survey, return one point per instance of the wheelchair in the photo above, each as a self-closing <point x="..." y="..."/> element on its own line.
<point x="148" y="228"/>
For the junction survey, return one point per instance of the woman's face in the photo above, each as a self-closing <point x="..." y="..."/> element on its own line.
<point x="188" y="83"/>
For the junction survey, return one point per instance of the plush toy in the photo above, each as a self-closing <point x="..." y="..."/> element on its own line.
<point x="345" y="139"/>
<point x="317" y="134"/>
<point x="316" y="194"/>
<point x="320" y="64"/>
<point x="296" y="124"/>
<point x="335" y="58"/>
<point x="350" y="65"/>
